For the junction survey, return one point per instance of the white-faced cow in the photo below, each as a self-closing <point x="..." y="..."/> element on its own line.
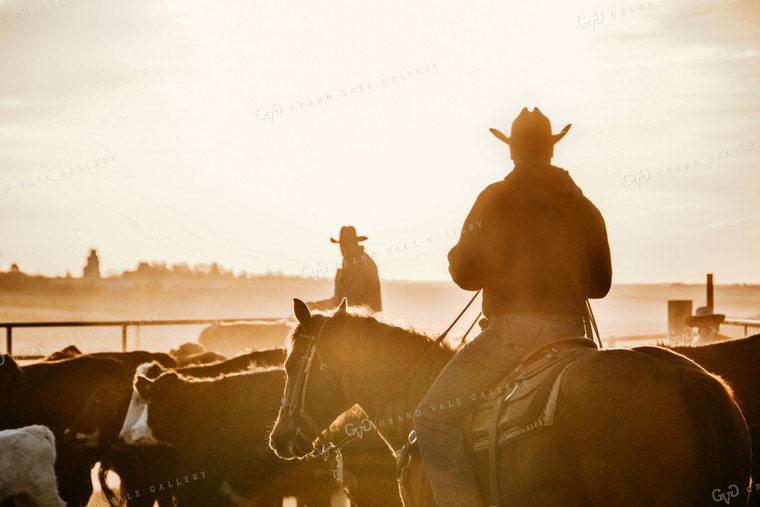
<point x="219" y="428"/>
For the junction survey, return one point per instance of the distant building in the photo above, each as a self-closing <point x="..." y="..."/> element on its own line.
<point x="91" y="270"/>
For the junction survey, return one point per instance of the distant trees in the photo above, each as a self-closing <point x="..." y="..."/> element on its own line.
<point x="147" y="274"/>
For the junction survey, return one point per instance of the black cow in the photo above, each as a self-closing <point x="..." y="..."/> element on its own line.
<point x="106" y="409"/>
<point x="54" y="394"/>
<point x="219" y="428"/>
<point x="64" y="353"/>
<point x="736" y="361"/>
<point x="208" y="357"/>
<point x="257" y="359"/>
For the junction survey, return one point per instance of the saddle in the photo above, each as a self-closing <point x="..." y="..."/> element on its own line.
<point x="523" y="403"/>
<point x="528" y="408"/>
<point x="531" y="399"/>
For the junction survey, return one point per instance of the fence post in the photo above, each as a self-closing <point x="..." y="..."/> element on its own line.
<point x="123" y="337"/>
<point x="9" y="340"/>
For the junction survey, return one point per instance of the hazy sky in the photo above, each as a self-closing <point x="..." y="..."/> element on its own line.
<point x="192" y="112"/>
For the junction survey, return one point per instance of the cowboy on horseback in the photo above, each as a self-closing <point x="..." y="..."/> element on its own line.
<point x="356" y="279"/>
<point x="541" y="252"/>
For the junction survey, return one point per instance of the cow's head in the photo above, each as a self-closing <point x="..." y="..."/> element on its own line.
<point x="136" y="429"/>
<point x="104" y="411"/>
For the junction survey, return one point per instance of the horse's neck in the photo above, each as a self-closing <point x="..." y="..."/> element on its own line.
<point x="390" y="399"/>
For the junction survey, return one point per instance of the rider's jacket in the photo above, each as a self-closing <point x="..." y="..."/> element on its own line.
<point x="533" y="243"/>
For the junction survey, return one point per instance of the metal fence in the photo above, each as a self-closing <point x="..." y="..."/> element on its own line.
<point x="739" y="328"/>
<point x="732" y="327"/>
<point x="123" y="324"/>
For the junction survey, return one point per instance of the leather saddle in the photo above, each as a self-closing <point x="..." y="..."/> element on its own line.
<point x="529" y="402"/>
<point x="523" y="403"/>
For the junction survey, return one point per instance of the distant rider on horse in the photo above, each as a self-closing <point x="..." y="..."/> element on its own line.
<point x="356" y="279"/>
<point x="539" y="252"/>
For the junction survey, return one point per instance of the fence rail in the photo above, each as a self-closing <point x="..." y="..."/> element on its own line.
<point x="739" y="328"/>
<point x="732" y="327"/>
<point x="124" y="324"/>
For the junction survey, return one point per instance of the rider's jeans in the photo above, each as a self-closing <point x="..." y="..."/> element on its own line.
<point x="478" y="366"/>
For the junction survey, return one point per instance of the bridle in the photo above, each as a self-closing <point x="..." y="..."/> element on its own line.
<point x="297" y="404"/>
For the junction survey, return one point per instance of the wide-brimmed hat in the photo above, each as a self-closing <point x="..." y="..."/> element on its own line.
<point x="531" y="127"/>
<point x="704" y="316"/>
<point x="348" y="236"/>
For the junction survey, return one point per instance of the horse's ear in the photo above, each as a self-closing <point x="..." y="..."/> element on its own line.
<point x="302" y="312"/>
<point x="343" y="306"/>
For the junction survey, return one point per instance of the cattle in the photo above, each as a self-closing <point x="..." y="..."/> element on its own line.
<point x="736" y="361"/>
<point x="98" y="427"/>
<point x="105" y="412"/>
<point x="27" y="466"/>
<point x="208" y="357"/>
<point x="187" y="349"/>
<point x="106" y="408"/>
<point x="53" y="394"/>
<point x="236" y="338"/>
<point x="257" y="359"/>
<point x="64" y="353"/>
<point x="219" y="428"/>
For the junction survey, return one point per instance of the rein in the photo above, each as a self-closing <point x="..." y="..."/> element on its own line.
<point x="590" y="322"/>
<point x="443" y="335"/>
<point x="296" y="405"/>
<point x="296" y="409"/>
<point x="438" y="342"/>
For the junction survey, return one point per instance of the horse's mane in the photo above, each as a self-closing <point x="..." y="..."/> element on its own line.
<point x="380" y="328"/>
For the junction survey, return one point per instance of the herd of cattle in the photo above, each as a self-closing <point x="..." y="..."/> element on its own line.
<point x="190" y="428"/>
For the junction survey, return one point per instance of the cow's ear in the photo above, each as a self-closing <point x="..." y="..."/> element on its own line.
<point x="302" y="312"/>
<point x="144" y="386"/>
<point x="343" y="306"/>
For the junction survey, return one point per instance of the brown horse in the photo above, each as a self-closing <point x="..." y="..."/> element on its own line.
<point x="644" y="427"/>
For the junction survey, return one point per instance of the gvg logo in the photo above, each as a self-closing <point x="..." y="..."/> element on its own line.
<point x="732" y="492"/>
<point x="365" y="426"/>
<point x="262" y="114"/>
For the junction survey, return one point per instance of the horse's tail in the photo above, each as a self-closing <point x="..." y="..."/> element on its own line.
<point x="724" y="452"/>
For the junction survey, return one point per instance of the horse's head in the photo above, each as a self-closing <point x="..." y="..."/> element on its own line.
<point x="314" y="390"/>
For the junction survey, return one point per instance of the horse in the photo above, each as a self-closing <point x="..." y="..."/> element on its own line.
<point x="606" y="446"/>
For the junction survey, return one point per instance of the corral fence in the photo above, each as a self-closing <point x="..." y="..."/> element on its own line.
<point x="733" y="327"/>
<point x="123" y="324"/>
<point x="740" y="328"/>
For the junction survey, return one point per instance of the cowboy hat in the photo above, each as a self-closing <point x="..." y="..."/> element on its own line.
<point x="531" y="126"/>
<point x="348" y="235"/>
